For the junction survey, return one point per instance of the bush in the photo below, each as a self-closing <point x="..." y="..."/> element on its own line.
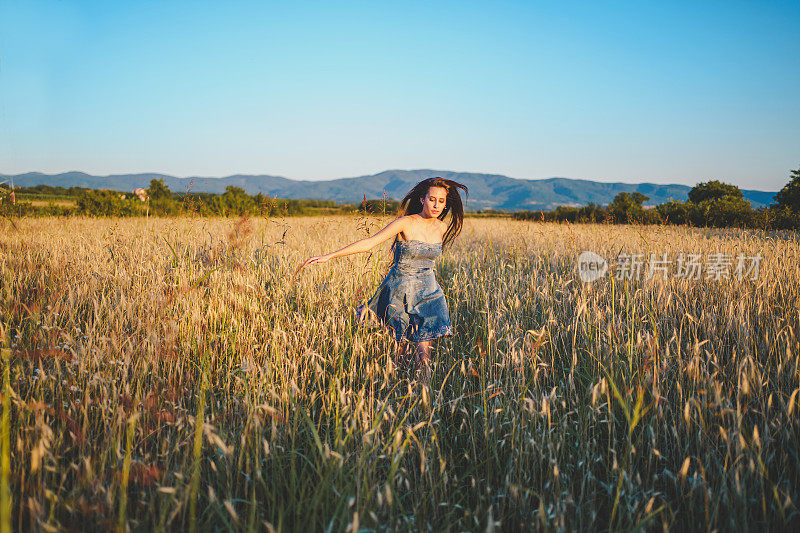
<point x="674" y="212"/>
<point x="722" y="212"/>
<point x="165" y="207"/>
<point x="107" y="204"/>
<point x="388" y="206"/>
<point x="783" y="218"/>
<point x="592" y="213"/>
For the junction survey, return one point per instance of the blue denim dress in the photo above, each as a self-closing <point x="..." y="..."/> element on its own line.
<point x="409" y="300"/>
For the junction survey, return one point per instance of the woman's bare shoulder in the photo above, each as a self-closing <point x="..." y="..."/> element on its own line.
<point x="405" y="220"/>
<point x="410" y="221"/>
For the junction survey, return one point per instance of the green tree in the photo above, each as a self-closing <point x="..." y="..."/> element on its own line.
<point x="711" y="190"/>
<point x="789" y="196"/>
<point x="639" y="198"/>
<point x="162" y="201"/>
<point x="158" y="190"/>
<point x="627" y="207"/>
<point x="237" y="202"/>
<point x="714" y="203"/>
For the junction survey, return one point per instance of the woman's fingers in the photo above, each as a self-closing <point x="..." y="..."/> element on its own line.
<point x="309" y="261"/>
<point x="301" y="267"/>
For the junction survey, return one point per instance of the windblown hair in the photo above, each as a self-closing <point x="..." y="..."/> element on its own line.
<point x="412" y="204"/>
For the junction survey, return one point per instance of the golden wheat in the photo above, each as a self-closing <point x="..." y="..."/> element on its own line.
<point x="172" y="373"/>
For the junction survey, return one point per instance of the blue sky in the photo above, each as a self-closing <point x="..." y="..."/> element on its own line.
<point x="667" y="92"/>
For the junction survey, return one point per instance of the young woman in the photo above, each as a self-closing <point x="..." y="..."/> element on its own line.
<point x="409" y="300"/>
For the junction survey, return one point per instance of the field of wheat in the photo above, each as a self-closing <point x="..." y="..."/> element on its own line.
<point x="173" y="374"/>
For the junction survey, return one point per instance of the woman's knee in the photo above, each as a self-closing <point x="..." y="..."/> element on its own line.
<point x="423" y="347"/>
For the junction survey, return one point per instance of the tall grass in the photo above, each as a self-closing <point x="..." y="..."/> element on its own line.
<point x="171" y="374"/>
<point x="5" y="438"/>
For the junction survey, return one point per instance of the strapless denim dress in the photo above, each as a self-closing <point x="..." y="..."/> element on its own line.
<point x="409" y="300"/>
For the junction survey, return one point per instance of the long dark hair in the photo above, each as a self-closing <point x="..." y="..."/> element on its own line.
<point x="412" y="205"/>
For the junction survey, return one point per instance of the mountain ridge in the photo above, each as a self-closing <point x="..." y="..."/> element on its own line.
<point x="486" y="191"/>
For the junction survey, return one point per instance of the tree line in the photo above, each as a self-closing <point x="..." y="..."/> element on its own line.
<point x="159" y="200"/>
<point x="712" y="203"/>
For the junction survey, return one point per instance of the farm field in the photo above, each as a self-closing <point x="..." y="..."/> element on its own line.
<point x="45" y="203"/>
<point x="172" y="374"/>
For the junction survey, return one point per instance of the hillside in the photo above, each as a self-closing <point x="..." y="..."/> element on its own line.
<point x="487" y="191"/>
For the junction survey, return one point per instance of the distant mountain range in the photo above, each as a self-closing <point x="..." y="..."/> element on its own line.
<point x="486" y="191"/>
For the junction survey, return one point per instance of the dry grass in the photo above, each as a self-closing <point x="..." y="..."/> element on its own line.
<point x="167" y="374"/>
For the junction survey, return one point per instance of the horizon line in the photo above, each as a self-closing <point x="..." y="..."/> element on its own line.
<point x="594" y="180"/>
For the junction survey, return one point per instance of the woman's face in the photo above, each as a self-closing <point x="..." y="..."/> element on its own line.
<point x="433" y="203"/>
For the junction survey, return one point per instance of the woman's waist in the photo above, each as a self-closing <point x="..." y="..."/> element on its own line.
<point x="414" y="268"/>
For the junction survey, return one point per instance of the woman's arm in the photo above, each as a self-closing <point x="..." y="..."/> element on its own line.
<point x="364" y="245"/>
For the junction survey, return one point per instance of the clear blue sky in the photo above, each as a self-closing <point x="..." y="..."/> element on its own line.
<point x="668" y="92"/>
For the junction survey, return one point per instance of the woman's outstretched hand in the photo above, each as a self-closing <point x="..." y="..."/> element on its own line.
<point x="313" y="260"/>
<point x="316" y="259"/>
